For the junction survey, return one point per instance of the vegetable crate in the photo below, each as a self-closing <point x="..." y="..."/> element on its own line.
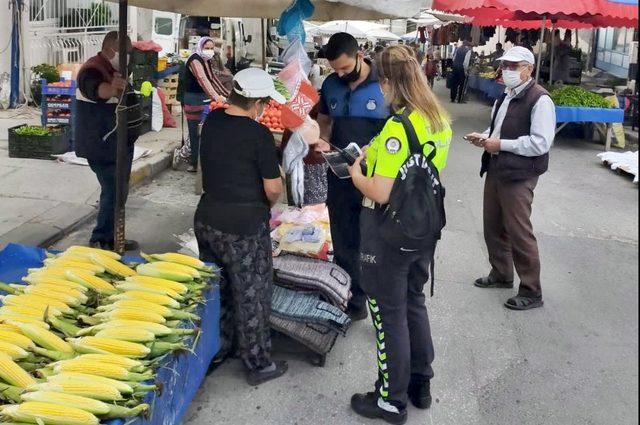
<point x="38" y="146"/>
<point x="170" y="87"/>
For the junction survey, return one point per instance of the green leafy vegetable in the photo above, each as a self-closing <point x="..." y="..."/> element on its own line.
<point x="33" y="130"/>
<point x="577" y="96"/>
<point x="282" y="89"/>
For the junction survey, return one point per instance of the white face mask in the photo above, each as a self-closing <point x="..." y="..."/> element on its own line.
<point x="511" y="78"/>
<point x="208" y="53"/>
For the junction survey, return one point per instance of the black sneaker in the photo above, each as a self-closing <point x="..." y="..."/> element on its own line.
<point x="356" y="313"/>
<point x="420" y="394"/>
<point x="257" y="377"/>
<point x="367" y="405"/>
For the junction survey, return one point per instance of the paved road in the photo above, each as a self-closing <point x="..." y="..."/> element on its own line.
<point x="572" y="362"/>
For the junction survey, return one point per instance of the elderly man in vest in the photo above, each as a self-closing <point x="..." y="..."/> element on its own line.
<point x="100" y="87"/>
<point x="516" y="152"/>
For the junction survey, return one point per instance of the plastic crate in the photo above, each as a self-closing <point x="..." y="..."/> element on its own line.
<point x="38" y="147"/>
<point x="48" y="89"/>
<point x="141" y="57"/>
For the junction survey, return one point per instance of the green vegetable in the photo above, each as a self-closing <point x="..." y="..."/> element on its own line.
<point x="577" y="96"/>
<point x="282" y="89"/>
<point x="33" y="130"/>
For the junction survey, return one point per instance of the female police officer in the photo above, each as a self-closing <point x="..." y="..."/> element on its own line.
<point x="393" y="279"/>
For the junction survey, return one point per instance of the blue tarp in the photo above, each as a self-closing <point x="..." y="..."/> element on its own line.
<point x="180" y="375"/>
<point x="490" y="87"/>
<point x="575" y="114"/>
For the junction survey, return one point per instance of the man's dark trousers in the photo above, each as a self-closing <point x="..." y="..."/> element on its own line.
<point x="457" y="84"/>
<point x="106" y="174"/>
<point x="508" y="232"/>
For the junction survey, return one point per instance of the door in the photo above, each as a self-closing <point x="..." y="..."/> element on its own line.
<point x="166" y="26"/>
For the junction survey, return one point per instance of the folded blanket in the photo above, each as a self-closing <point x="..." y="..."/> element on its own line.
<point x="320" y="276"/>
<point x="316" y="337"/>
<point x="307" y="308"/>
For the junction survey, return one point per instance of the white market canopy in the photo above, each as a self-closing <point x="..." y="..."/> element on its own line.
<point x="358" y="29"/>
<point x="325" y="10"/>
<point x="382" y="34"/>
<point x="433" y="17"/>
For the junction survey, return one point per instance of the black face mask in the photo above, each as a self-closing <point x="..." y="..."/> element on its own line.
<point x="353" y="75"/>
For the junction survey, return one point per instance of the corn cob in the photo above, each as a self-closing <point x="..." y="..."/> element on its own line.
<point x="45" y="338"/>
<point x="181" y="268"/>
<point x="114" y="267"/>
<point x="150" y="307"/>
<point x="101" y="369"/>
<point x="53" y="271"/>
<point x="9" y="328"/>
<point x="123" y="387"/>
<point x="38" y="278"/>
<point x="63" y="326"/>
<point x="14" y="351"/>
<point x="180" y="288"/>
<point x="10" y="393"/>
<point x="25" y="310"/>
<point x="51" y="354"/>
<point x="71" y="297"/>
<point x="131" y="314"/>
<point x="146" y="296"/>
<point x="13" y="374"/>
<point x="127" y="334"/>
<point x="99" y="285"/>
<point x="89" y="250"/>
<point x="19" y="320"/>
<point x="156" y="328"/>
<point x="62" y="262"/>
<point x="16" y="338"/>
<point x="77" y="257"/>
<point x="139" y="286"/>
<point x="87" y="404"/>
<point x="37" y="301"/>
<point x="90" y="405"/>
<point x="49" y="414"/>
<point x="121" y="361"/>
<point x="92" y="344"/>
<point x="95" y="389"/>
<point x="173" y="257"/>
<point x="163" y="273"/>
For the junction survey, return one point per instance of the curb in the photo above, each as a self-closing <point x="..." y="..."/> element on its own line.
<point x="44" y="235"/>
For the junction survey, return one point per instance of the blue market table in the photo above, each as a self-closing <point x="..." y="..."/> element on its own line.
<point x="567" y="114"/>
<point x="180" y="374"/>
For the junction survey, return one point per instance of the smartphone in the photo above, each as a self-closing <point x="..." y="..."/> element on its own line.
<point x="469" y="139"/>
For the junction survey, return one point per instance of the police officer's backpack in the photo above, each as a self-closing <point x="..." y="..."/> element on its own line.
<point x="414" y="217"/>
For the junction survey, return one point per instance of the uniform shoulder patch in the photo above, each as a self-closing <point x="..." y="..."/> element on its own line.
<point x="392" y="145"/>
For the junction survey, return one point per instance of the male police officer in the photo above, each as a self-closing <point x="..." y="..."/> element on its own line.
<point x="352" y="109"/>
<point x="100" y="87"/>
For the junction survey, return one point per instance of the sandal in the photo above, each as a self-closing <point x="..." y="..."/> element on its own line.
<point x="520" y="302"/>
<point x="489" y="282"/>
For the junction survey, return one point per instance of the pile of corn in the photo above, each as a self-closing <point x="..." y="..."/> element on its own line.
<point x="81" y="338"/>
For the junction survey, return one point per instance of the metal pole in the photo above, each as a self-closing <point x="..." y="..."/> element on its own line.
<point x="553" y="53"/>
<point x="540" y="44"/>
<point x="122" y="181"/>
<point x="264" y="44"/>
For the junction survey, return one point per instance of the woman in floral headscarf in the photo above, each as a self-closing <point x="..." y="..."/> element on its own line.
<point x="201" y="83"/>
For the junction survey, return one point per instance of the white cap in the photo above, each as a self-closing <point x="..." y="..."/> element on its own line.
<point x="519" y="54"/>
<point x="255" y="83"/>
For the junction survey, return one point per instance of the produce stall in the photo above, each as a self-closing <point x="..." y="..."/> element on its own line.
<point x="176" y="375"/>
<point x="486" y="85"/>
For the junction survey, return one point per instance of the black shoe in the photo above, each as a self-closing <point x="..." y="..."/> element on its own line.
<point x="356" y="313"/>
<point x="489" y="282"/>
<point x="420" y="394"/>
<point x="257" y="377"/>
<point x="367" y="405"/>
<point x="520" y="302"/>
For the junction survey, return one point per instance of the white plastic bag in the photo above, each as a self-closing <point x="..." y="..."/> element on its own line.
<point x="156" y="111"/>
<point x="295" y="51"/>
<point x="5" y="90"/>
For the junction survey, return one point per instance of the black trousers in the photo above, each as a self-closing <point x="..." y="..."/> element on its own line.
<point x="344" y="203"/>
<point x="394" y="283"/>
<point x="245" y="291"/>
<point x="457" y="84"/>
<point x="106" y="174"/>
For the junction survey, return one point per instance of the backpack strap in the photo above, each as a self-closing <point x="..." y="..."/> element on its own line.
<point x="412" y="137"/>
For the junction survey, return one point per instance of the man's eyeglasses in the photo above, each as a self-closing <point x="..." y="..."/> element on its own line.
<point x="512" y="66"/>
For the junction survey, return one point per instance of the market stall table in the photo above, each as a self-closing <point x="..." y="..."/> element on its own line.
<point x="489" y="86"/>
<point x="568" y="114"/>
<point x="180" y="375"/>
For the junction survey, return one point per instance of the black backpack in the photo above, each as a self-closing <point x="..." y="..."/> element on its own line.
<point x="414" y="217"/>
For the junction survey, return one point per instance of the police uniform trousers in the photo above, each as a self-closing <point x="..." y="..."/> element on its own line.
<point x="393" y="281"/>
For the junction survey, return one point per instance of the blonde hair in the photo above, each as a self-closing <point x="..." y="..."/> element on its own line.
<point x="408" y="86"/>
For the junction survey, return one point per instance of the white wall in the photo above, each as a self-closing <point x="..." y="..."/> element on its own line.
<point x="5" y="39"/>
